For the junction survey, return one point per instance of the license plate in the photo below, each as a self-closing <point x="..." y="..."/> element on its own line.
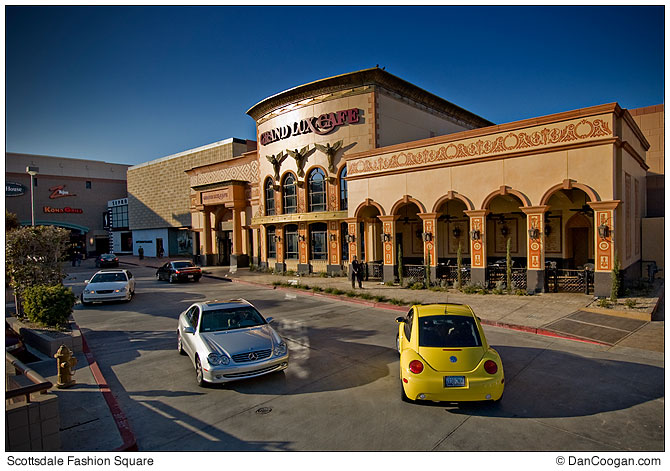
<point x="454" y="381"/>
<point x="190" y="276"/>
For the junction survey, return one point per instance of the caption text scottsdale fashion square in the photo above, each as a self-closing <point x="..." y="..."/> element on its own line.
<point x="72" y="460"/>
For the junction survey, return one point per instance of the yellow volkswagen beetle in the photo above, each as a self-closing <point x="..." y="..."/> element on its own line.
<point x="444" y="356"/>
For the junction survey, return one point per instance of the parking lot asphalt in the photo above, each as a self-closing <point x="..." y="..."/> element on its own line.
<point x="96" y="406"/>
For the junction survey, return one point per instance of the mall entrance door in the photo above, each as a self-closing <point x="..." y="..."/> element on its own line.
<point x="224" y="240"/>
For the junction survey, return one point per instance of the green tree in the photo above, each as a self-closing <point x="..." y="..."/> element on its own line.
<point x="508" y="261"/>
<point x="426" y="280"/>
<point x="400" y="267"/>
<point x="459" y="266"/>
<point x="11" y="221"/>
<point x="33" y="257"/>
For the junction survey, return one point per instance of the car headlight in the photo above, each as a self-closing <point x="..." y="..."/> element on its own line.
<point x="120" y="290"/>
<point x="88" y="291"/>
<point x="280" y="349"/>
<point x="215" y="359"/>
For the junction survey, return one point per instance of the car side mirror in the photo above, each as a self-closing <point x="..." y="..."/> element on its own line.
<point x="189" y="330"/>
<point x="269" y="319"/>
<point x="400" y="320"/>
<point x="86" y="281"/>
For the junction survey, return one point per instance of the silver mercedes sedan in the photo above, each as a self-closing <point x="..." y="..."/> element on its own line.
<point x="229" y="340"/>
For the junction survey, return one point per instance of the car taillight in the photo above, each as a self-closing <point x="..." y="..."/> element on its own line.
<point x="177" y="272"/>
<point x="415" y="366"/>
<point x="490" y="367"/>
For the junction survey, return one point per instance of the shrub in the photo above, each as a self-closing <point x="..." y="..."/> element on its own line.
<point x="48" y="305"/>
<point x="604" y="302"/>
<point x="276" y="283"/>
<point x="470" y="288"/>
<point x="338" y="291"/>
<point x="498" y="291"/>
<point x="389" y="283"/>
<point x="520" y="292"/>
<point x="381" y="299"/>
<point x="482" y="291"/>
<point x="323" y="274"/>
<point x="616" y="281"/>
<point x="349" y="294"/>
<point x="366" y="296"/>
<point x="416" y="285"/>
<point x="630" y="303"/>
<point x="317" y="289"/>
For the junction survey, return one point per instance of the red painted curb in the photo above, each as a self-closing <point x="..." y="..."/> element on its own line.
<point x="127" y="435"/>
<point x="393" y="307"/>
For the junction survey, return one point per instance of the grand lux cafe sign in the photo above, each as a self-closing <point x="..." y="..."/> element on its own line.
<point x="322" y="124"/>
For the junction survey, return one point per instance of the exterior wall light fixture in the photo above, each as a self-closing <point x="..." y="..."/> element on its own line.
<point x="475" y="234"/>
<point x="351" y="238"/>
<point x="504" y="230"/>
<point x="534" y="233"/>
<point x="603" y="231"/>
<point x="301" y="238"/>
<point x="427" y="236"/>
<point x="456" y="232"/>
<point x="386" y="237"/>
<point x="332" y="237"/>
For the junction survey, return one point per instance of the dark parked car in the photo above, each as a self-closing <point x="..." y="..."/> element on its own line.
<point x="179" y="270"/>
<point x="107" y="260"/>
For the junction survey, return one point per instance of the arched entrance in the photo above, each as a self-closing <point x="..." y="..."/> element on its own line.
<point x="224" y="236"/>
<point x="452" y="237"/>
<point x="371" y="247"/>
<point x="506" y="233"/>
<point x="409" y="244"/>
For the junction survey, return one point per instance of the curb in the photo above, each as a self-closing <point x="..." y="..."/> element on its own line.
<point x="393" y="307"/>
<point x="127" y="435"/>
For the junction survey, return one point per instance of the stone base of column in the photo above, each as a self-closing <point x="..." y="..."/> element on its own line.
<point x="433" y="276"/>
<point x="209" y="259"/>
<point x="478" y="276"/>
<point x="388" y="273"/>
<point x="304" y="268"/>
<point x="263" y="265"/>
<point x="535" y="281"/>
<point x="239" y="260"/>
<point x="602" y="284"/>
<point x="255" y="261"/>
<point x="280" y="267"/>
<point x="334" y="270"/>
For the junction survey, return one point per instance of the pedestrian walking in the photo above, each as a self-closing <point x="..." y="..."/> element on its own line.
<point x="356" y="273"/>
<point x="140" y="252"/>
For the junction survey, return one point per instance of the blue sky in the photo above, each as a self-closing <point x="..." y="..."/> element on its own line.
<point x="131" y="84"/>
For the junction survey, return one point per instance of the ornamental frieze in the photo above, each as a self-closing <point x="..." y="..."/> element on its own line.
<point x="510" y="142"/>
<point x="246" y="172"/>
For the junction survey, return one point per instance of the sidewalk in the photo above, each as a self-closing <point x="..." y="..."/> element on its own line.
<point x="568" y="315"/>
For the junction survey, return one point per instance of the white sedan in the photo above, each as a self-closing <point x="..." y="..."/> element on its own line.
<point x="229" y="340"/>
<point x="109" y="285"/>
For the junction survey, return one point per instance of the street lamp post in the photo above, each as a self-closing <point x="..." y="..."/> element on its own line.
<point x="32" y="171"/>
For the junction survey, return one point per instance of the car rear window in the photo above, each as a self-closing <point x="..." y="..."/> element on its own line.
<point x="448" y="331"/>
<point x="229" y="319"/>
<point x="183" y="264"/>
<point x="108" y="257"/>
<point x="108" y="277"/>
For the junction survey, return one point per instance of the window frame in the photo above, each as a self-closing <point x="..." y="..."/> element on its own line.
<point x="286" y="208"/>
<point x="270" y="190"/>
<point x="312" y="193"/>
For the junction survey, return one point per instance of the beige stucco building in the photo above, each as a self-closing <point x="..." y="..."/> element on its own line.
<point x="367" y="164"/>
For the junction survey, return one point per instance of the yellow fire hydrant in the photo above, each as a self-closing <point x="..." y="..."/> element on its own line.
<point x="66" y="363"/>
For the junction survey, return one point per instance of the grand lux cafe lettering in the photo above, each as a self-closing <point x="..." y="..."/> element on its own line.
<point x="324" y="124"/>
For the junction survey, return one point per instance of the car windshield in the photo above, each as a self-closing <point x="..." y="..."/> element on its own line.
<point x="448" y="331"/>
<point x="108" y="257"/>
<point x="108" y="277"/>
<point x="183" y="264"/>
<point x="229" y="319"/>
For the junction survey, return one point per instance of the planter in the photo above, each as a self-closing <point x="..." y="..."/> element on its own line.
<point x="46" y="340"/>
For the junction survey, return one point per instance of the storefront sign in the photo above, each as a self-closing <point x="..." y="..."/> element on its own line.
<point x="323" y="124"/>
<point x="59" y="192"/>
<point x="14" y="189"/>
<point x="216" y="196"/>
<point x="67" y="209"/>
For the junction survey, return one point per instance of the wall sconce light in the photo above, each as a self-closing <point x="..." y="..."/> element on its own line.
<point x="475" y="234"/>
<point x="603" y="231"/>
<point x="332" y="237"/>
<point x="386" y="237"/>
<point x="351" y="238"/>
<point x="301" y="238"/>
<point x="427" y="236"/>
<point x="278" y="238"/>
<point x="456" y="232"/>
<point x="504" y="231"/>
<point x="91" y="241"/>
<point x="534" y="233"/>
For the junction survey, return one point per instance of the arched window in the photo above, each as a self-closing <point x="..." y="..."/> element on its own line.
<point x="318" y="241"/>
<point x="271" y="237"/>
<point x="317" y="190"/>
<point x="290" y="195"/>
<point x="269" y="198"/>
<point x="344" y="195"/>
<point x="291" y="238"/>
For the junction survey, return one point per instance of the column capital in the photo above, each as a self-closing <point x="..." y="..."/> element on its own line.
<point x="473" y="213"/>
<point x="388" y="218"/>
<point x="604" y="205"/>
<point x="428" y="216"/>
<point x="535" y="209"/>
<point x="351" y="220"/>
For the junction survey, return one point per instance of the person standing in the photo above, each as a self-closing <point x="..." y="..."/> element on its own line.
<point x="356" y="273"/>
<point x="140" y="252"/>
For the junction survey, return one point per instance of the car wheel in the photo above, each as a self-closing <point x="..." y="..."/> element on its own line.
<point x="196" y="279"/>
<point x="199" y="375"/>
<point x="172" y="278"/>
<point x="130" y="296"/>
<point x="84" y="303"/>
<point x="180" y="347"/>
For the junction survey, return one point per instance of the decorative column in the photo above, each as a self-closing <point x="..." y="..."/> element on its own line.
<point x="352" y="240"/>
<point x="477" y="236"/>
<point x="238" y="257"/>
<point x="388" y="239"/>
<point x="303" y="252"/>
<point x="430" y="242"/>
<point x="279" y="265"/>
<point x="603" y="233"/>
<point x="334" y="266"/>
<point x="207" y="237"/>
<point x="535" y="248"/>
